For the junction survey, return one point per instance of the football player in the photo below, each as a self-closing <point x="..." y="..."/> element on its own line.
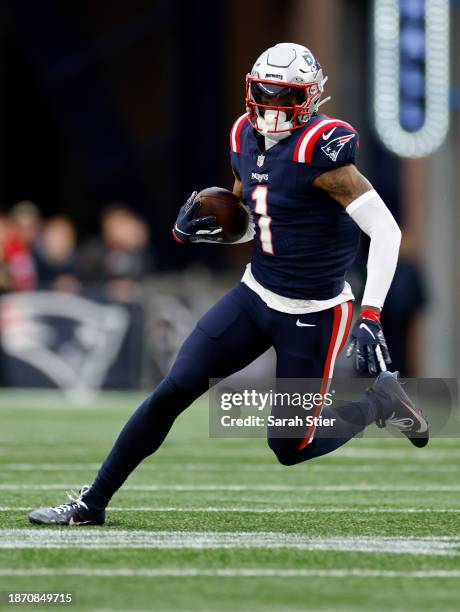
<point x="295" y="169"/>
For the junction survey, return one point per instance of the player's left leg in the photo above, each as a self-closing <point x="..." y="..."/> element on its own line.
<point x="307" y="348"/>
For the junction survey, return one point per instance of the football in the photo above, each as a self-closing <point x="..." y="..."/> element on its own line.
<point x="230" y="212"/>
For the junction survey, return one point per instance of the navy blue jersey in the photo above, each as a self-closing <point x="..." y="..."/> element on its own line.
<point x="305" y="241"/>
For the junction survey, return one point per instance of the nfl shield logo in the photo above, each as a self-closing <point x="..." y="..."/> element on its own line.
<point x="260" y="161"/>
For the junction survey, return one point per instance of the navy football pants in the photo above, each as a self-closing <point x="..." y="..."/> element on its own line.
<point x="239" y="328"/>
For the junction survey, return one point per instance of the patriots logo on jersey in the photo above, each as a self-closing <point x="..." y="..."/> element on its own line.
<point x="332" y="149"/>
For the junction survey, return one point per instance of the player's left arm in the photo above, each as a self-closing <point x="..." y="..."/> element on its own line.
<point x="355" y="193"/>
<point x="345" y="184"/>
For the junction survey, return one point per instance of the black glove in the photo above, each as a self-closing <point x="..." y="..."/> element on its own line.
<point x="368" y="344"/>
<point x="189" y="228"/>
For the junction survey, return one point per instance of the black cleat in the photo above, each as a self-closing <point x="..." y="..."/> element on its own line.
<point x="395" y="408"/>
<point x="75" y="512"/>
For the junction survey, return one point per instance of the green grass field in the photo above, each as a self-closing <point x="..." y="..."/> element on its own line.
<point x="214" y="525"/>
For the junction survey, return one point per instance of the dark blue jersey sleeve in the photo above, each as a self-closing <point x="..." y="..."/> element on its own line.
<point x="237" y="136"/>
<point x="333" y="148"/>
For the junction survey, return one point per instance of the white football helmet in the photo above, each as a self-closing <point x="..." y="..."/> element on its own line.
<point x="284" y="90"/>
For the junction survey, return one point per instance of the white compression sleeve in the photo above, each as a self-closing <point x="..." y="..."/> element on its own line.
<point x="372" y="216"/>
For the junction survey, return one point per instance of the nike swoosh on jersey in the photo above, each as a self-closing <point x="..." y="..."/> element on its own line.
<point x="364" y="326"/>
<point x="300" y="324"/>
<point x="327" y="135"/>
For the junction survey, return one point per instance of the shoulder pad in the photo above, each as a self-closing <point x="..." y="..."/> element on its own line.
<point x="327" y="143"/>
<point x="235" y="133"/>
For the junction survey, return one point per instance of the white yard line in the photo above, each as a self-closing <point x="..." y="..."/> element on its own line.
<point x="269" y="510"/>
<point x="354" y="452"/>
<point x="96" y="538"/>
<point x="229" y="573"/>
<point x="227" y="467"/>
<point x="391" y="453"/>
<point x="363" y="488"/>
<point x="39" y="399"/>
<point x="261" y="453"/>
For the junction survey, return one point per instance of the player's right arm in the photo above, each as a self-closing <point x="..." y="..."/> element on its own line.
<point x="189" y="228"/>
<point x="238" y="191"/>
<point x="238" y="188"/>
<point x="250" y="232"/>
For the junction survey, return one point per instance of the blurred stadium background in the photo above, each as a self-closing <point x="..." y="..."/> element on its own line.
<point x="110" y="115"/>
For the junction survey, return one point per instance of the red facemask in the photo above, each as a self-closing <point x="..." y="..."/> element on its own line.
<point x="291" y="101"/>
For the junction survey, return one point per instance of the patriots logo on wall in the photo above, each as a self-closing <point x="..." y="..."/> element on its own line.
<point x="72" y="341"/>
<point x="332" y="149"/>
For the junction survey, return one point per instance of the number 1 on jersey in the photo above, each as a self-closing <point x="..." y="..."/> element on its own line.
<point x="260" y="197"/>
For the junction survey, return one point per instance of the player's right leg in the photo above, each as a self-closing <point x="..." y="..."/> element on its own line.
<point x="224" y="341"/>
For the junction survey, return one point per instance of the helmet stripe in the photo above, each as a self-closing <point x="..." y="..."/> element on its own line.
<point x="306" y="144"/>
<point x="235" y="134"/>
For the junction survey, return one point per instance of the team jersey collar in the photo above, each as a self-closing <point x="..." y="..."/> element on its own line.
<point x="260" y="138"/>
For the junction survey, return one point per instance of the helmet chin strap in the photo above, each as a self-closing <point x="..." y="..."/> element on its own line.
<point x="268" y="122"/>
